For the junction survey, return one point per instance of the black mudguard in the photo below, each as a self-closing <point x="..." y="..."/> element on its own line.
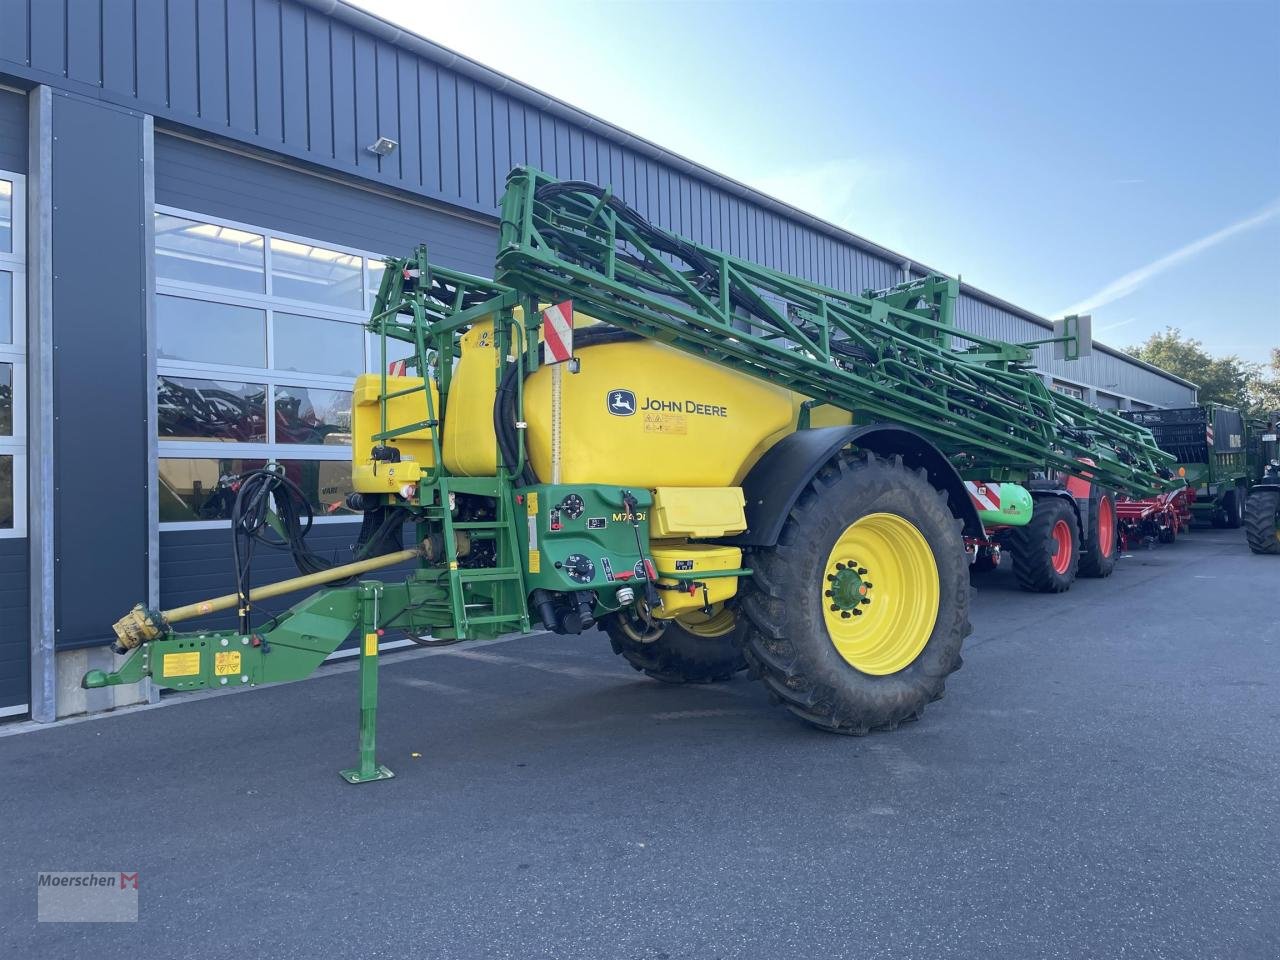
<point x="780" y="476"/>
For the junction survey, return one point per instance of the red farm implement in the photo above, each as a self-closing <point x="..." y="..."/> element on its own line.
<point x="1155" y="519"/>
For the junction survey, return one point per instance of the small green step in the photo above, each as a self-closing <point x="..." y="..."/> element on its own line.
<point x="495" y="618"/>
<point x="486" y="574"/>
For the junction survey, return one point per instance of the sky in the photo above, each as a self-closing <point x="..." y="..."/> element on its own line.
<point x="1119" y="158"/>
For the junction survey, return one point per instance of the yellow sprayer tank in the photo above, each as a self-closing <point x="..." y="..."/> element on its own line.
<point x="637" y="413"/>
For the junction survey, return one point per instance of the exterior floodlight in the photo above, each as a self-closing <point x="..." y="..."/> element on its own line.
<point x="382" y="147"/>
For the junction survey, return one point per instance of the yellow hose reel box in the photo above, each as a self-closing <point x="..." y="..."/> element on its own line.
<point x="697" y="512"/>
<point x="682" y="568"/>
<point x="368" y="475"/>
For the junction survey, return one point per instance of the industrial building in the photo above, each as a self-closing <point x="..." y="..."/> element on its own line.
<point x="194" y="200"/>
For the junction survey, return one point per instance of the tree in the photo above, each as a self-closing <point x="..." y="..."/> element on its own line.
<point x="1265" y="389"/>
<point x="1227" y="380"/>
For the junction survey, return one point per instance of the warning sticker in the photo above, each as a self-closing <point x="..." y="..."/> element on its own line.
<point x="226" y="663"/>
<point x="684" y="564"/>
<point x="181" y="664"/>
<point x="596" y="523"/>
<point x="535" y="561"/>
<point x="672" y="423"/>
<point x="607" y="567"/>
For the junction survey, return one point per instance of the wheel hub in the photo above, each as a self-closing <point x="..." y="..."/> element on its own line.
<point x="848" y="590"/>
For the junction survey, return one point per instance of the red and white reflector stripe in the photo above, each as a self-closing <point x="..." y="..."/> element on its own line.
<point x="398" y="368"/>
<point x="557" y="333"/>
<point x="985" y="496"/>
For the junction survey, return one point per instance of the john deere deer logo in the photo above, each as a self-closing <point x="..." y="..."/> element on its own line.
<point x="622" y="403"/>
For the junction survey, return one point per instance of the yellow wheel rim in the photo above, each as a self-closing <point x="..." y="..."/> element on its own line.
<point x="720" y="622"/>
<point x="880" y="593"/>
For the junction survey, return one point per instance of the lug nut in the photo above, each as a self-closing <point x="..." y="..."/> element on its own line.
<point x="862" y="571"/>
<point x="834" y="608"/>
<point x="857" y="612"/>
<point x="846" y="615"/>
<point x="865" y="600"/>
<point x="827" y="593"/>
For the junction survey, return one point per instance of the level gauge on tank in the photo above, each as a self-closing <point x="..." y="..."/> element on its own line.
<point x="580" y="568"/>
<point x="572" y="506"/>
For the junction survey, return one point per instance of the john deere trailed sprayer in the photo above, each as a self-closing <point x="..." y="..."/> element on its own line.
<point x="731" y="467"/>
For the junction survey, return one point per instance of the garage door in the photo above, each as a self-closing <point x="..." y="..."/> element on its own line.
<point x="15" y="668"/>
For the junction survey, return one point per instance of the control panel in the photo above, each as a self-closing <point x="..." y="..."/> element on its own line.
<point x="584" y="537"/>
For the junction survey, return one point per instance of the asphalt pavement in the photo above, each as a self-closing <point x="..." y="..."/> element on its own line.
<point x="1101" y="780"/>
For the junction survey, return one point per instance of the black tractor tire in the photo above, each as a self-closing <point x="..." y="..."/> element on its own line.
<point x="1233" y="502"/>
<point x="1102" y="545"/>
<point x="1262" y="521"/>
<point x="1036" y="547"/>
<point x="782" y="628"/>
<point x="675" y="655"/>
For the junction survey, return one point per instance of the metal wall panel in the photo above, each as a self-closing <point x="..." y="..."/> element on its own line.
<point x="15" y="651"/>
<point x="13" y="131"/>
<point x="14" y="36"/>
<point x="282" y="75"/>
<point x="99" y="372"/>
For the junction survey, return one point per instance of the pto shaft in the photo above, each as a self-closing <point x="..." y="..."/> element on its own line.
<point x="140" y="625"/>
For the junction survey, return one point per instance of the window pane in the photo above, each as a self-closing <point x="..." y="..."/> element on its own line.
<point x="6" y="307"/>
<point x="308" y="415"/>
<point x="211" y="410"/>
<point x="326" y="484"/>
<point x="210" y="332"/>
<point x="6" y="491"/>
<point x="191" y="489"/>
<point x="6" y="399"/>
<point x="376" y="270"/>
<point x="396" y="350"/>
<point x="188" y="251"/>
<point x="300" y="271"/>
<point x="312" y="345"/>
<point x="6" y="216"/>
